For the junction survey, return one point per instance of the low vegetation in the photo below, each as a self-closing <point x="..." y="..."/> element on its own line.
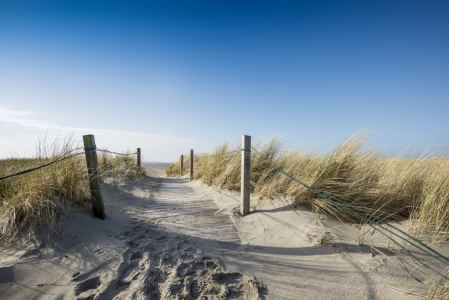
<point x="415" y="187"/>
<point x="439" y="288"/>
<point x="36" y="200"/>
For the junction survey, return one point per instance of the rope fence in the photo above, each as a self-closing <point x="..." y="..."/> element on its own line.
<point x="122" y="154"/>
<point x="90" y="151"/>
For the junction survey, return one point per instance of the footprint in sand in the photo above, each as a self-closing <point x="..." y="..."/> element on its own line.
<point x="136" y="255"/>
<point x="87" y="289"/>
<point x="75" y="276"/>
<point x="129" y="274"/>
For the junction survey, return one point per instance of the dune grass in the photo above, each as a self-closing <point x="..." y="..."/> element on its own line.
<point x="439" y="288"/>
<point x="415" y="187"/>
<point x="36" y="200"/>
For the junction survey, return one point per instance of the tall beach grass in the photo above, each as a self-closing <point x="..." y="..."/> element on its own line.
<point x="36" y="200"/>
<point x="397" y="186"/>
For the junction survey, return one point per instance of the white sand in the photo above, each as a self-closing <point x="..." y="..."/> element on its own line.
<point x="131" y="255"/>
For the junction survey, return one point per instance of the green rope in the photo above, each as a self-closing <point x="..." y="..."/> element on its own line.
<point x="279" y="169"/>
<point x="438" y="256"/>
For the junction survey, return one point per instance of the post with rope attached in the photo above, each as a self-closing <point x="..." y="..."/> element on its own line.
<point x="245" y="180"/>
<point x="94" y="176"/>
<point x="191" y="164"/>
<point x="182" y="162"/>
<point x="138" y="157"/>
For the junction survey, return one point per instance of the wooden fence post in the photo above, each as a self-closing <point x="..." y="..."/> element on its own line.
<point x="138" y="157"/>
<point x="94" y="176"/>
<point x="182" y="162"/>
<point x="191" y="164"/>
<point x="245" y="181"/>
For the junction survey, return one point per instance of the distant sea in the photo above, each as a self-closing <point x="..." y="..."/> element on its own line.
<point x="155" y="164"/>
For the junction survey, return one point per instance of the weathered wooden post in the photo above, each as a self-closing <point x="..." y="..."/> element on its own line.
<point x="245" y="181"/>
<point x="182" y="163"/>
<point x="191" y="164"/>
<point x="94" y="176"/>
<point x="138" y="157"/>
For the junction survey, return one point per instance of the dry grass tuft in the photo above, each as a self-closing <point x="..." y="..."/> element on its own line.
<point x="38" y="199"/>
<point x="439" y="288"/>
<point x="119" y="167"/>
<point x="414" y="187"/>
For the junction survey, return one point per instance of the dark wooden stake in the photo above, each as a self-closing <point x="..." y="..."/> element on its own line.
<point x="94" y="176"/>
<point x="191" y="164"/>
<point x="245" y="181"/>
<point x="138" y="157"/>
<point x="182" y="163"/>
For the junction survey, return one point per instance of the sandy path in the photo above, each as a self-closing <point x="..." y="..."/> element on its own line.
<point x="177" y="208"/>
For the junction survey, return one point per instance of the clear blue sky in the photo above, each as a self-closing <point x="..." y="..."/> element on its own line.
<point x="169" y="76"/>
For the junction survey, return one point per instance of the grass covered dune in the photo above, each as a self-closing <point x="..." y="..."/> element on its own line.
<point x="36" y="200"/>
<point x="414" y="187"/>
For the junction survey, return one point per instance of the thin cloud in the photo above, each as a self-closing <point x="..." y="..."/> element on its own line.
<point x="23" y="118"/>
<point x="166" y="147"/>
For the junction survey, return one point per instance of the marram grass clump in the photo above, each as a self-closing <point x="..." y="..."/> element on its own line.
<point x="397" y="186"/>
<point x="38" y="199"/>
